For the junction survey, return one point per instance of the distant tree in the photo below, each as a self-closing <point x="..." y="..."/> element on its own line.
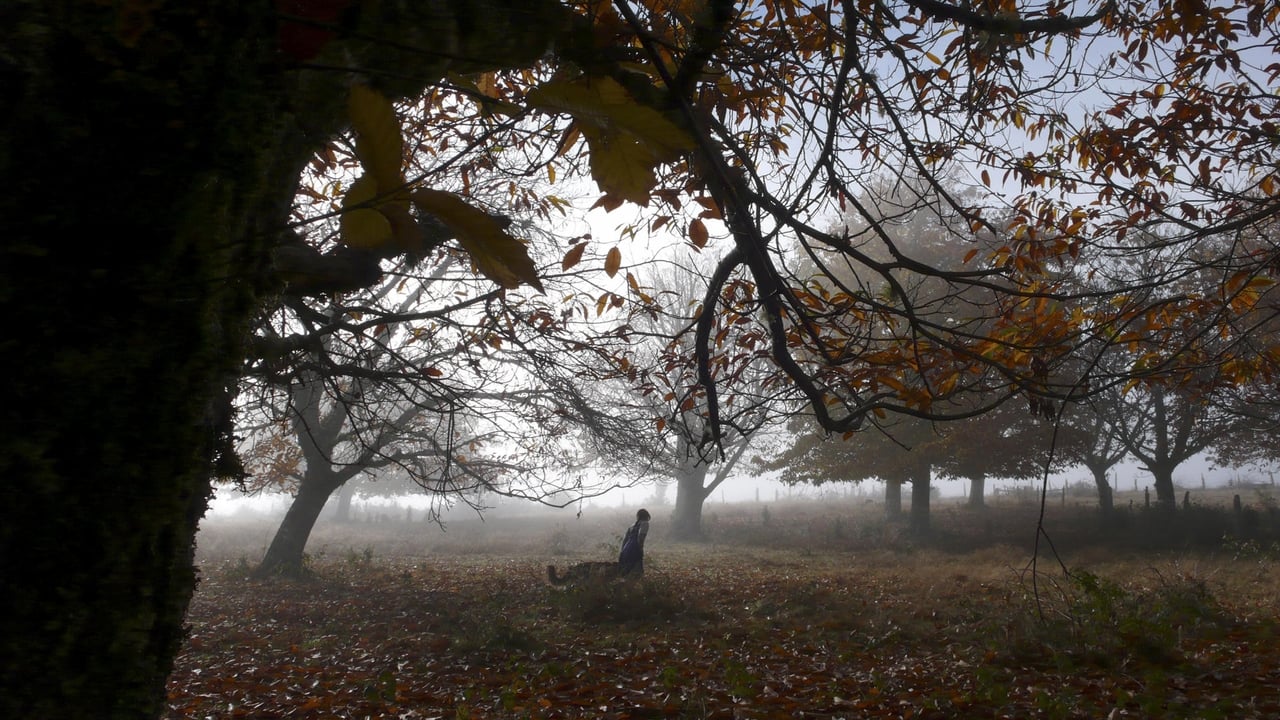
<point x="1163" y="427"/>
<point x="907" y="216"/>
<point x="901" y="451"/>
<point x="1005" y="442"/>
<point x="1101" y="450"/>
<point x="394" y="383"/>
<point x="1171" y="387"/>
<point x="667" y="389"/>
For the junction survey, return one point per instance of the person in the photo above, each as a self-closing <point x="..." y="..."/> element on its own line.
<point x="631" y="557"/>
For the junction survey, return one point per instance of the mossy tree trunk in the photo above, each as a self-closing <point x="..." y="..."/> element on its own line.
<point x="143" y="163"/>
<point x="150" y="156"/>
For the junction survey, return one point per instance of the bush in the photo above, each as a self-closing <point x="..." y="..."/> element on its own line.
<point x="1096" y="621"/>
<point x="638" y="600"/>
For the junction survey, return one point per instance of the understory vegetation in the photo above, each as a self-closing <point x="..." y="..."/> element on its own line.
<point x="796" y="611"/>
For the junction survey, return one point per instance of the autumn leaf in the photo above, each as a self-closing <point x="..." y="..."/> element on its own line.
<point x="379" y="144"/>
<point x="499" y="256"/>
<point x="621" y="165"/>
<point x="573" y="257"/>
<point x="627" y="139"/>
<point x="363" y="227"/>
<point x="613" y="261"/>
<point x="698" y="233"/>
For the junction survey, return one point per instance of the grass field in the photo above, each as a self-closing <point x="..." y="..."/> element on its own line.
<point x="788" y="611"/>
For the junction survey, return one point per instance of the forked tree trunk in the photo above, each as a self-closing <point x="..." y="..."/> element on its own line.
<point x="692" y="490"/>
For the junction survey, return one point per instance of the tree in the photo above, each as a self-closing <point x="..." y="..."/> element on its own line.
<point x="1101" y="450"/>
<point x="667" y="388"/>
<point x="1005" y="442"/>
<point x="1164" y="427"/>
<point x="430" y="378"/>
<point x="205" y="113"/>
<point x="1185" y="379"/>
<point x="159" y="151"/>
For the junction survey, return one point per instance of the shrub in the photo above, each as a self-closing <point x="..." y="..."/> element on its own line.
<point x="639" y="600"/>
<point x="1093" y="620"/>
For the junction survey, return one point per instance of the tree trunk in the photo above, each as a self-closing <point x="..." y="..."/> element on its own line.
<point x="284" y="555"/>
<point x="977" y="492"/>
<point x="1166" y="495"/>
<point x="1106" y="497"/>
<point x="920" y="505"/>
<point x="152" y="155"/>
<point x="686" y="519"/>
<point x="892" y="499"/>
<point x="140" y="166"/>
<point x="342" y="513"/>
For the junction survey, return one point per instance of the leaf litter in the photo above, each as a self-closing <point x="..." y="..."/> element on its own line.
<point x="713" y="634"/>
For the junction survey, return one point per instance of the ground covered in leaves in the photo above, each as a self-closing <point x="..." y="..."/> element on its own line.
<point x="719" y="631"/>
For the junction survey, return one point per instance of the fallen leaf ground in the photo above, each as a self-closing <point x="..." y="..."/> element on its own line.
<point x="740" y="631"/>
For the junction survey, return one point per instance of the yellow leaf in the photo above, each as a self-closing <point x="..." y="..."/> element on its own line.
<point x="363" y="227"/>
<point x="499" y="256"/>
<point x="366" y="229"/>
<point x="379" y="144"/>
<point x="620" y="165"/>
<point x="627" y="139"/>
<point x="894" y="383"/>
<point x="613" y="261"/>
<point x="406" y="234"/>
<point x="603" y="102"/>
<point x="948" y="383"/>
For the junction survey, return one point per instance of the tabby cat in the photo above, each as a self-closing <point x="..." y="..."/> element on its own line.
<point x="583" y="572"/>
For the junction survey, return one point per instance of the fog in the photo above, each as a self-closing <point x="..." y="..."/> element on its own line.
<point x="1125" y="476"/>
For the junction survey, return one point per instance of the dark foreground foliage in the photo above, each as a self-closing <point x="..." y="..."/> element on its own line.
<point x="728" y="632"/>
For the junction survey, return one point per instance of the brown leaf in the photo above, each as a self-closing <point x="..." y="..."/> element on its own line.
<point x="613" y="261"/>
